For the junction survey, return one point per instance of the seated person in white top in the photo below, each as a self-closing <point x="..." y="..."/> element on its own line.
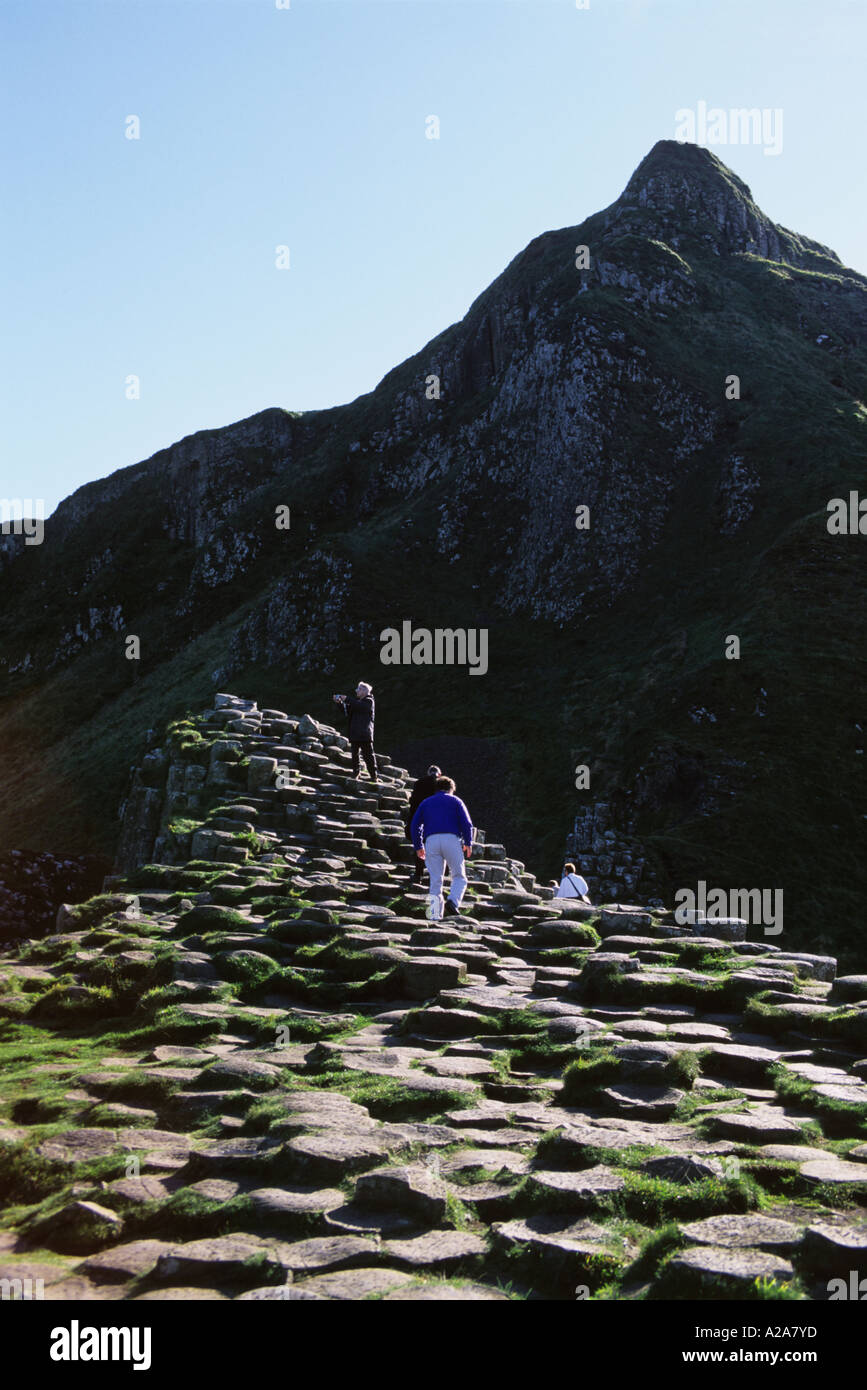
<point x="572" y="885"/>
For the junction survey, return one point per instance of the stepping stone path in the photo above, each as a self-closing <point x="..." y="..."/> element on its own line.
<point x="300" y="1088"/>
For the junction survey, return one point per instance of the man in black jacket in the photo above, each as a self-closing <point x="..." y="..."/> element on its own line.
<point x="424" y="787"/>
<point x="358" y="709"/>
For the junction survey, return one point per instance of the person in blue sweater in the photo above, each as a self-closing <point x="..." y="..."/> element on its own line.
<point x="442" y="833"/>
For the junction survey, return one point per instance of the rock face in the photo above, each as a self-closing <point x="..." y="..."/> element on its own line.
<point x="33" y="886"/>
<point x="312" y="1092"/>
<point x="563" y="388"/>
<point x="697" y="195"/>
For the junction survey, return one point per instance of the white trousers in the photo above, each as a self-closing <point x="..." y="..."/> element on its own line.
<point x="439" y="851"/>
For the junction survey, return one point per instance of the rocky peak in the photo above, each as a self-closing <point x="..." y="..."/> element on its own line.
<point x="673" y="175"/>
<point x="681" y="191"/>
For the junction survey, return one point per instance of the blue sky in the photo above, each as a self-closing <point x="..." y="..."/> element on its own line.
<point x="305" y="127"/>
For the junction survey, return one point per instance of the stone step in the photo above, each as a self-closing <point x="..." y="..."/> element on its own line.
<point x="462" y="998"/>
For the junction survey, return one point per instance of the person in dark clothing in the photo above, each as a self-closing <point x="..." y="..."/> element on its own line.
<point x="424" y="787"/>
<point x="358" y="709"/>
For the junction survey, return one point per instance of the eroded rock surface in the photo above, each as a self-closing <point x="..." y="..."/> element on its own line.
<point x="301" y="1089"/>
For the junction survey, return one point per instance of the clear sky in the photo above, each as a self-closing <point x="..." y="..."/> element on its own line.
<point x="306" y="127"/>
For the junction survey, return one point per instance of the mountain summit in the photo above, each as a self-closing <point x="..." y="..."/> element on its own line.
<point x="618" y="461"/>
<point x="688" y="192"/>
